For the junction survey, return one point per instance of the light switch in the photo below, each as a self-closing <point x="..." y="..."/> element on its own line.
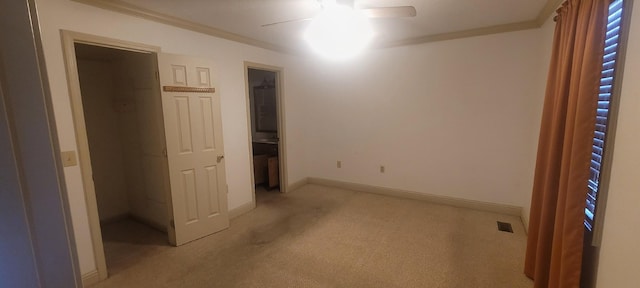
<point x="69" y="158"/>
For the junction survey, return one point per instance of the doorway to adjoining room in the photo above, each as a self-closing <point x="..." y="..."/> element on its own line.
<point x="264" y="115"/>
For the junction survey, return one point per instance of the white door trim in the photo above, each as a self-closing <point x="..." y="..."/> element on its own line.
<point x="282" y="151"/>
<point x="69" y="38"/>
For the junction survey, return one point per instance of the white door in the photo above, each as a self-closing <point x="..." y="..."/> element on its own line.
<point x="193" y="127"/>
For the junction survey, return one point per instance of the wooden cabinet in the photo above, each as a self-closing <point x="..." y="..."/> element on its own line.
<point x="260" y="168"/>
<point x="266" y="170"/>
<point x="274" y="176"/>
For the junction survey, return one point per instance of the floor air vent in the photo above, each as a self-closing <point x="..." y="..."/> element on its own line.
<point x="505" y="227"/>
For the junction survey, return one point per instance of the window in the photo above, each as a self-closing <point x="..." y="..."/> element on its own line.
<point x="607" y="82"/>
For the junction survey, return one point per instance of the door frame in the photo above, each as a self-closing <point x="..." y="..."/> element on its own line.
<point x="282" y="151"/>
<point x="69" y="39"/>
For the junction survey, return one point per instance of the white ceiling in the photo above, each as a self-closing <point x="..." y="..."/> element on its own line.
<point x="435" y="17"/>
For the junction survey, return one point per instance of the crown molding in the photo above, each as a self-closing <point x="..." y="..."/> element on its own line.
<point x="462" y="34"/>
<point x="547" y="11"/>
<point x="133" y="10"/>
<point x="542" y="17"/>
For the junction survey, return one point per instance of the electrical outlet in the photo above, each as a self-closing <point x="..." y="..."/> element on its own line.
<point x="381" y="168"/>
<point x="339" y="164"/>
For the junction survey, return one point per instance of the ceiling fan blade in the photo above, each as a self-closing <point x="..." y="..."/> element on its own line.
<point x="390" y="12"/>
<point x="287" y="21"/>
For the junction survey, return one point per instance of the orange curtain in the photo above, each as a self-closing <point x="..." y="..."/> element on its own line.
<point x="556" y="231"/>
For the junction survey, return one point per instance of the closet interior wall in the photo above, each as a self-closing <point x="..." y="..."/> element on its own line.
<point x="123" y="116"/>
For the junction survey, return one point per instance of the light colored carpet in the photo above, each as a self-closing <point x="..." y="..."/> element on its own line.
<point x="326" y="237"/>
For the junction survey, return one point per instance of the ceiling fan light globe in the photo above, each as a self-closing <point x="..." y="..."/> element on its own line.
<point x="339" y="32"/>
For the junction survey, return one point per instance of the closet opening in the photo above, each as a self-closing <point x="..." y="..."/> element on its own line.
<point x="122" y="110"/>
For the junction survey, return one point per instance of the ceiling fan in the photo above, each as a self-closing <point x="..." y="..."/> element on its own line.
<point x="374" y="12"/>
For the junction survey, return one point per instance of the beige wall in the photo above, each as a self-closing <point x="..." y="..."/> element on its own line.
<point x="544" y="57"/>
<point x="103" y="133"/>
<point x="229" y="72"/>
<point x="141" y="126"/>
<point x="620" y="251"/>
<point x="455" y="118"/>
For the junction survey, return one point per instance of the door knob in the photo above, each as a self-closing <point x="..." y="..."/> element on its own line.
<point x="220" y="157"/>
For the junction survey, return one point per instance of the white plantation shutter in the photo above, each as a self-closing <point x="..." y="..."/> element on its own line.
<point x="609" y="62"/>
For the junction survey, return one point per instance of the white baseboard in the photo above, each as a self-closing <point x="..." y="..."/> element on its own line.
<point x="438" y="199"/>
<point x="90" y="278"/>
<point x="148" y="222"/>
<point x="113" y="219"/>
<point x="242" y="209"/>
<point x="298" y="184"/>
